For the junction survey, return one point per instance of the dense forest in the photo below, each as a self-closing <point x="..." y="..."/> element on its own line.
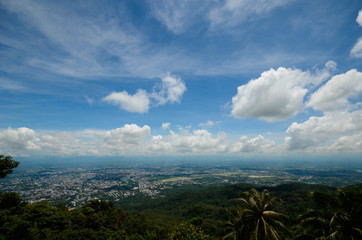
<point x="241" y="211"/>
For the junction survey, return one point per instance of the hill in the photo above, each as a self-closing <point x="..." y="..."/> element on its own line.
<point x="209" y="209"/>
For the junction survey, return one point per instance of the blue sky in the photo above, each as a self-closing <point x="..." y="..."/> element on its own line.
<point x="218" y="77"/>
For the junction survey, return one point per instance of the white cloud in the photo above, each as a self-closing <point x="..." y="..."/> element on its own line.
<point x="139" y="102"/>
<point x="87" y="44"/>
<point x="331" y="133"/>
<point x="171" y="90"/>
<point x="129" y="133"/>
<point x="232" y="12"/>
<point x="18" y="141"/>
<point x="12" y="85"/>
<point x="256" y="145"/>
<point x="91" y="40"/>
<point x="89" y="100"/>
<point x="208" y="124"/>
<point x="318" y="131"/>
<point x="277" y="94"/>
<point x="120" y="141"/>
<point x="331" y="65"/>
<point x="341" y="122"/>
<point x="128" y="139"/>
<point x="357" y="49"/>
<point x="351" y="143"/>
<point x="165" y="125"/>
<point x="336" y="93"/>
<point x="196" y="142"/>
<point x="64" y="144"/>
<point x="177" y="15"/>
<point x="359" y="18"/>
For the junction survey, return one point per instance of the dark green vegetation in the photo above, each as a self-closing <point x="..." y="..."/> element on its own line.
<point x="255" y="219"/>
<point x="6" y="165"/>
<point x="291" y="211"/>
<point x="240" y="211"/>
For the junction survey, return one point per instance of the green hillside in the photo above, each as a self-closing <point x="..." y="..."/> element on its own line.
<point x="208" y="213"/>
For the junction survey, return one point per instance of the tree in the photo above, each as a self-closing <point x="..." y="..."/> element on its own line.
<point x="342" y="223"/>
<point x="255" y="218"/>
<point x="187" y="231"/>
<point x="338" y="217"/>
<point x="6" y="165"/>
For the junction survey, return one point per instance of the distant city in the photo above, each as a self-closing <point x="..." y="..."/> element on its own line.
<point x="74" y="186"/>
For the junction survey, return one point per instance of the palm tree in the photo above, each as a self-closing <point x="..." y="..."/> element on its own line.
<point x="335" y="219"/>
<point x="315" y="225"/>
<point x="342" y="228"/>
<point x="342" y="223"/>
<point x="255" y="219"/>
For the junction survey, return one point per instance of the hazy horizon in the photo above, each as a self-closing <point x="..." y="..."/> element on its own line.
<point x="147" y="161"/>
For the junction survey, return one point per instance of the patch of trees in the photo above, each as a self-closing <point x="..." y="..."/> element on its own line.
<point x="6" y="165"/>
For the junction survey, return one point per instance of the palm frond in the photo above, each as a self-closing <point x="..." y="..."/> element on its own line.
<point x="274" y="214"/>
<point x="232" y="235"/>
<point x="256" y="217"/>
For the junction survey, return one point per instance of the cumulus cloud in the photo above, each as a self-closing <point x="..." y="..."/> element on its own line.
<point x="170" y="90"/>
<point x="128" y="134"/>
<point x="359" y="18"/>
<point x="357" y="49"/>
<point x="63" y="143"/>
<point x="318" y="131"/>
<point x="18" y="141"/>
<point x="351" y="143"/>
<point x="120" y="141"/>
<point x="331" y="65"/>
<point x="138" y="103"/>
<point x="165" y="125"/>
<point x="336" y="93"/>
<point x="341" y="123"/>
<point x="195" y="142"/>
<point x="330" y="133"/>
<point x="277" y="94"/>
<point x="127" y="139"/>
<point x="258" y="144"/>
<point x="208" y="124"/>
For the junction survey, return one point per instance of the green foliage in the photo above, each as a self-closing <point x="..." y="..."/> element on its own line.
<point x="337" y="216"/>
<point x="259" y="214"/>
<point x="255" y="217"/>
<point x="6" y="165"/>
<point x="10" y="201"/>
<point x="96" y="220"/>
<point x="188" y="231"/>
